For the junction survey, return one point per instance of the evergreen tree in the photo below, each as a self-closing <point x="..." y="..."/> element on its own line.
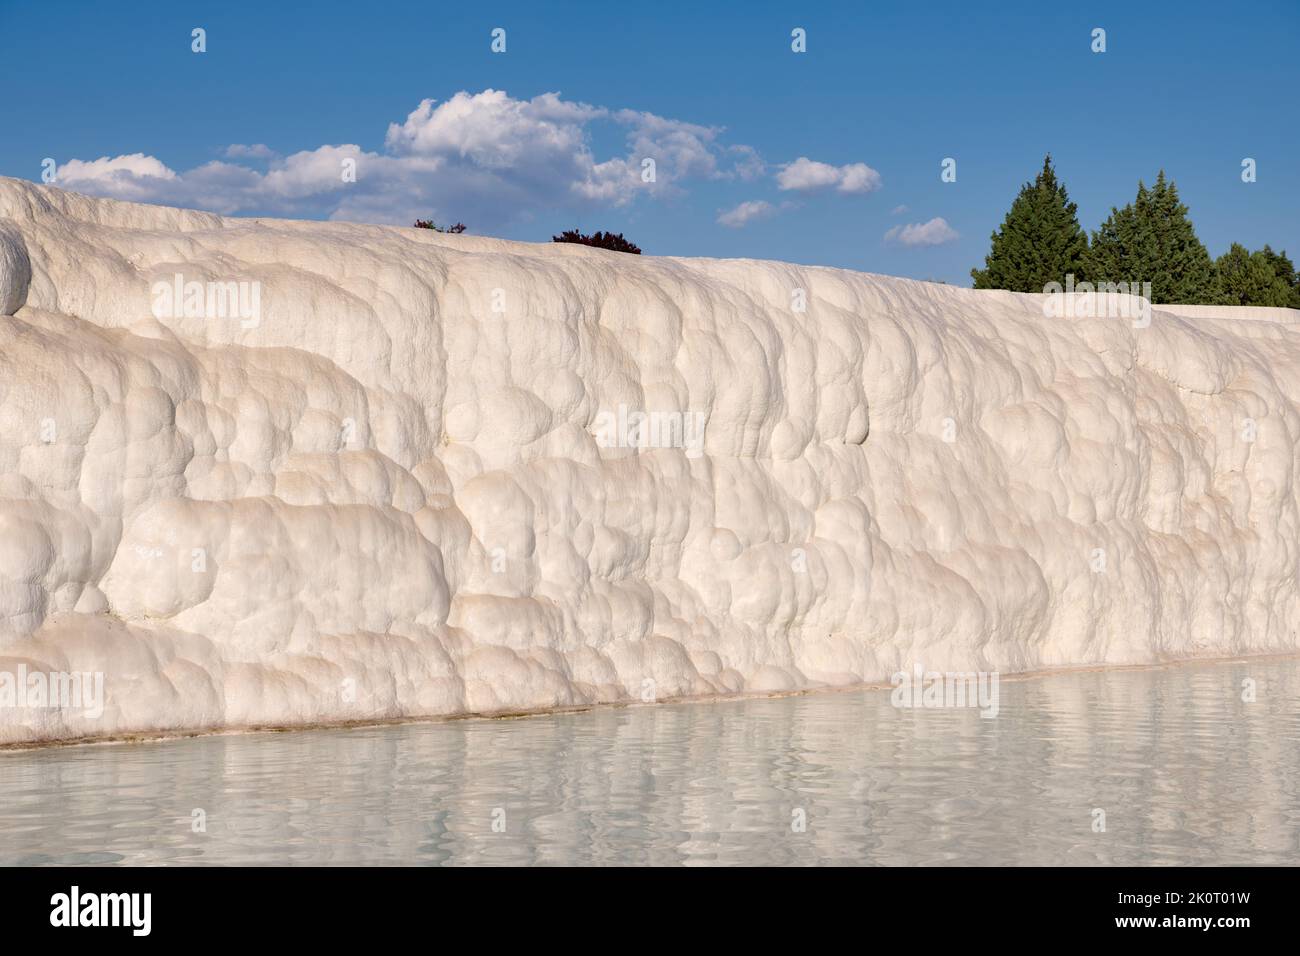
<point x="1286" y="271"/>
<point x="1040" y="240"/>
<point x="1152" y="240"/>
<point x="1263" y="277"/>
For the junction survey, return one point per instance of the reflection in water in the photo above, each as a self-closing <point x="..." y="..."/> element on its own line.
<point x="1186" y="772"/>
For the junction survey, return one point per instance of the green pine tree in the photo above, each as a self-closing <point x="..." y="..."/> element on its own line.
<point x="1152" y="240"/>
<point x="1285" y="270"/>
<point x="1261" y="277"/>
<point x="1040" y="240"/>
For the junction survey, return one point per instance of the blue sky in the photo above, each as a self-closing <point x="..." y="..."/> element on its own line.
<point x="855" y="129"/>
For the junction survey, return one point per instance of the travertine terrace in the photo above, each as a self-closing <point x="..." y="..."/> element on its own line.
<point x="377" y="479"/>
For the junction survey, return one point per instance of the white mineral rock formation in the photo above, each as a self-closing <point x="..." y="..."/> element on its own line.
<point x="266" y="472"/>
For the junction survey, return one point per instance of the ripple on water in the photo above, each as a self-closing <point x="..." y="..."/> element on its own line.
<point x="1184" y="770"/>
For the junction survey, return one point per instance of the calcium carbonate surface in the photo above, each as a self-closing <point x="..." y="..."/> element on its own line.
<point x="258" y="472"/>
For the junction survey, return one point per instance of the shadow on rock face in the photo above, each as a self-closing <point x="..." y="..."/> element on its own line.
<point x="15" y="269"/>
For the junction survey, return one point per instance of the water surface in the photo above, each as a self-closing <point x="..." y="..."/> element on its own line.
<point x="1185" y="771"/>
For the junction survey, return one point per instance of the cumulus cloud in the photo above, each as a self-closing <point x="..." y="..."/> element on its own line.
<point x="218" y="186"/>
<point x="255" y="151"/>
<point x="486" y="158"/>
<point x="746" y="213"/>
<point x="132" y="177"/>
<point x="933" y="233"/>
<point x="806" y="175"/>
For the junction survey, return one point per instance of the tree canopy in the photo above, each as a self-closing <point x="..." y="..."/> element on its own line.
<point x="1040" y="241"/>
<point x="1153" y="240"/>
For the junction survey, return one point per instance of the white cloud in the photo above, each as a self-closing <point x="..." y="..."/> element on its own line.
<point x="898" y="210"/>
<point x="690" y="150"/>
<point x="256" y="151"/>
<point x="135" y="176"/>
<point x="491" y="129"/>
<point x="746" y="213"/>
<point x="485" y="158"/>
<point x="219" y="186"/>
<point x="933" y="233"/>
<point x="748" y="165"/>
<point x="805" y="174"/>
